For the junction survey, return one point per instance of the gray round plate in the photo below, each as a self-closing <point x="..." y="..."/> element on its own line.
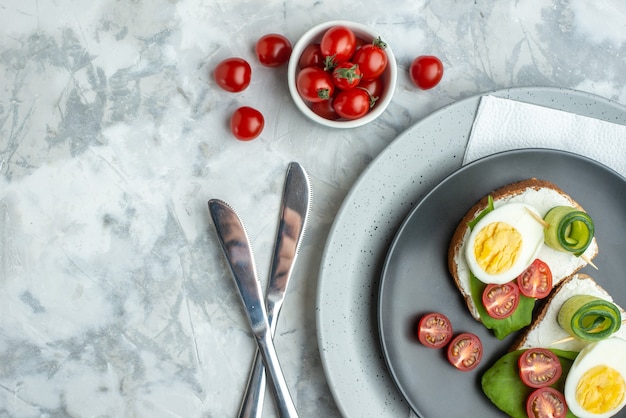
<point x="415" y="278"/>
<point x="366" y="223"/>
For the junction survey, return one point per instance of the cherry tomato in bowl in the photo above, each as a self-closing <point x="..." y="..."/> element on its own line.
<point x="338" y="44"/>
<point x="371" y="59"/>
<point x="426" y="71"/>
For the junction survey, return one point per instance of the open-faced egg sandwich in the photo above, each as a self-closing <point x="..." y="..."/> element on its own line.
<point x="571" y="361"/>
<point x="513" y="246"/>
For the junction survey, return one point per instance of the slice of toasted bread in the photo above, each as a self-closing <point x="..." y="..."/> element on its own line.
<point x="545" y="331"/>
<point x="542" y="195"/>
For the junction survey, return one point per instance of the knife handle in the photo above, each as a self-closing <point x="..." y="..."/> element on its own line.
<point x="284" y="403"/>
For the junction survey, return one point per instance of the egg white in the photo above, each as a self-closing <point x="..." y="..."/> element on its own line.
<point x="517" y="215"/>
<point x="610" y="352"/>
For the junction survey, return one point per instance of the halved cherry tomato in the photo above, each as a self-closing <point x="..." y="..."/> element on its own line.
<point x="338" y="43"/>
<point x="434" y="330"/>
<point x="353" y="103"/>
<point x="233" y="74"/>
<point x="311" y="57"/>
<point x="426" y="71"/>
<point x="314" y="84"/>
<point x="371" y="59"/>
<point x="346" y="75"/>
<point x="539" y="367"/>
<point x="273" y="50"/>
<point x="536" y="280"/>
<point x="465" y="351"/>
<point x="246" y="123"/>
<point x="501" y="300"/>
<point x="546" y="403"/>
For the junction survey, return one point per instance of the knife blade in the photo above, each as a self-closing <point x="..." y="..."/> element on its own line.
<point x="236" y="246"/>
<point x="293" y="216"/>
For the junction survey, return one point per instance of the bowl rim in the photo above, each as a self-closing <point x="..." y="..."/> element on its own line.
<point x="360" y="30"/>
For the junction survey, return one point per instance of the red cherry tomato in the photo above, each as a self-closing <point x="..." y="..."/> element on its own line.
<point x="346" y="75"/>
<point x="314" y="84"/>
<point x="426" y="71"/>
<point x="273" y="50"/>
<point x="546" y="402"/>
<point x="246" y="123"/>
<point x="536" y="280"/>
<point x="539" y="367"/>
<point x="233" y="74"/>
<point x="353" y="103"/>
<point x="371" y="59"/>
<point x="501" y="300"/>
<point x="434" y="330"/>
<point x="311" y="57"/>
<point x="465" y="351"/>
<point x="338" y="43"/>
<point x="325" y="109"/>
<point x="374" y="87"/>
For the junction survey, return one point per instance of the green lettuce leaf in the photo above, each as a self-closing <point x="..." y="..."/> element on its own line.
<point x="522" y="316"/>
<point x="503" y="386"/>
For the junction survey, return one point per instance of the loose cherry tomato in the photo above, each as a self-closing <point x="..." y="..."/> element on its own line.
<point x="539" y="367"/>
<point x="546" y="403"/>
<point x="501" y="300"/>
<point x="426" y="71"/>
<point x="465" y="351"/>
<point x="233" y="74"/>
<point x="372" y="59"/>
<point x="325" y="109"/>
<point x="273" y="50"/>
<point x="338" y="43"/>
<point x="311" y="57"/>
<point x="246" y="123"/>
<point x="536" y="280"/>
<point x="374" y="87"/>
<point x="346" y="75"/>
<point x="353" y="103"/>
<point x="314" y="84"/>
<point x="434" y="330"/>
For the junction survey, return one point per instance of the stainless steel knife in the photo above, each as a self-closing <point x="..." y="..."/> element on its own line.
<point x="236" y="246"/>
<point x="292" y="222"/>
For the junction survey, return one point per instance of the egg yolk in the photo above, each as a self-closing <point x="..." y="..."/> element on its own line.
<point x="496" y="247"/>
<point x="600" y="389"/>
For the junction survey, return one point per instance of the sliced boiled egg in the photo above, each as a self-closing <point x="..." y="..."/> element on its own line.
<point x="596" y="384"/>
<point x="504" y="243"/>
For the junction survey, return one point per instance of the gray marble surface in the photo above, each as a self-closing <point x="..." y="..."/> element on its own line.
<point x="116" y="300"/>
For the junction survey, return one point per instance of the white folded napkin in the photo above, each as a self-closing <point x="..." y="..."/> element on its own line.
<point x="504" y="124"/>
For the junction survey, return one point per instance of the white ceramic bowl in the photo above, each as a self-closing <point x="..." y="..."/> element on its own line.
<point x="314" y="35"/>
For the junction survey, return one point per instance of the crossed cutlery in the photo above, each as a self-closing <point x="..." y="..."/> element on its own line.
<point x="262" y="316"/>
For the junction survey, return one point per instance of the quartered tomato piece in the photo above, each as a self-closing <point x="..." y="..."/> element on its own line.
<point x="546" y="403"/>
<point x="434" y="330"/>
<point x="501" y="300"/>
<point x="539" y="367"/>
<point x="465" y="351"/>
<point x="536" y="280"/>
